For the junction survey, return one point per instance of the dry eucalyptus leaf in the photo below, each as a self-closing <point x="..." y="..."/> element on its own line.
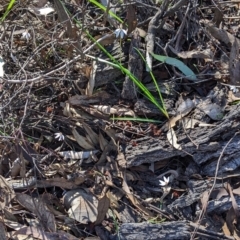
<point x="91" y="82"/>
<point x="82" y="206"/>
<point x="91" y="135"/>
<point x="30" y="233"/>
<point x="82" y="141"/>
<point x="172" y="138"/>
<point x="102" y="141"/>
<point x="38" y="207"/>
<point x="103" y="206"/>
<point x="213" y="110"/>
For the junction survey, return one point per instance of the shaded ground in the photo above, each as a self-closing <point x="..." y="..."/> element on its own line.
<point x="72" y="168"/>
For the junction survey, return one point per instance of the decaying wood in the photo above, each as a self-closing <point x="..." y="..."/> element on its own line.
<point x="168" y="230"/>
<point x="135" y="66"/>
<point x="210" y="141"/>
<point x="141" y="231"/>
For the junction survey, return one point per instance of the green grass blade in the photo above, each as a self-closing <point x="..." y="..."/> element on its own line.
<point x="9" y="7"/>
<point x="137" y="119"/>
<point x="105" y="9"/>
<point x="118" y="65"/>
<point x="156" y="84"/>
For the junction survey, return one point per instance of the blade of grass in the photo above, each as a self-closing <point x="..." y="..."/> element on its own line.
<point x="105" y="9"/>
<point x="139" y="84"/>
<point x="9" y="7"/>
<point x="154" y="80"/>
<point x="135" y="119"/>
<point x="118" y="65"/>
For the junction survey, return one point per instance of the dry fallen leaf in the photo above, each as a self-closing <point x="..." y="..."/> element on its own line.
<point x="29" y="232"/>
<point x="38" y="207"/>
<point x="172" y="138"/>
<point x="82" y="206"/>
<point x="82" y="141"/>
<point x="91" y="82"/>
<point x="102" y="141"/>
<point x="103" y="206"/>
<point x="91" y="135"/>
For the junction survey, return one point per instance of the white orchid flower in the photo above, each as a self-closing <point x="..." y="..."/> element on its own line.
<point x="120" y="33"/>
<point x="59" y="136"/>
<point x="1" y="67"/>
<point x="45" y="11"/>
<point x="26" y="35"/>
<point x="234" y="89"/>
<point x="165" y="182"/>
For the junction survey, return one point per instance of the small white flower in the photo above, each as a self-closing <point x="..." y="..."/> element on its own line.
<point x="59" y="136"/>
<point x="234" y="89"/>
<point x="165" y="182"/>
<point x="45" y="11"/>
<point x="120" y="33"/>
<point x="26" y="35"/>
<point x="1" y="67"/>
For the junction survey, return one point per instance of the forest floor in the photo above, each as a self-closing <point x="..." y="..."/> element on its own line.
<point x="120" y="120"/>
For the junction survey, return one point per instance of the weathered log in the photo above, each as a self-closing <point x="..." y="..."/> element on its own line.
<point x="206" y="144"/>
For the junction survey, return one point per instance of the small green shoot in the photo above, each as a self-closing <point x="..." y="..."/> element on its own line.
<point x="9" y="7"/>
<point x="115" y="223"/>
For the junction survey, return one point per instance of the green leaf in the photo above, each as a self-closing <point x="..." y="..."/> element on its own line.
<point x="176" y="63"/>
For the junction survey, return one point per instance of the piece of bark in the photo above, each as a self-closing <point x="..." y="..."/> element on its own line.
<point x="135" y="66"/>
<point x="140" y="231"/>
<point x="208" y="139"/>
<point x="221" y="205"/>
